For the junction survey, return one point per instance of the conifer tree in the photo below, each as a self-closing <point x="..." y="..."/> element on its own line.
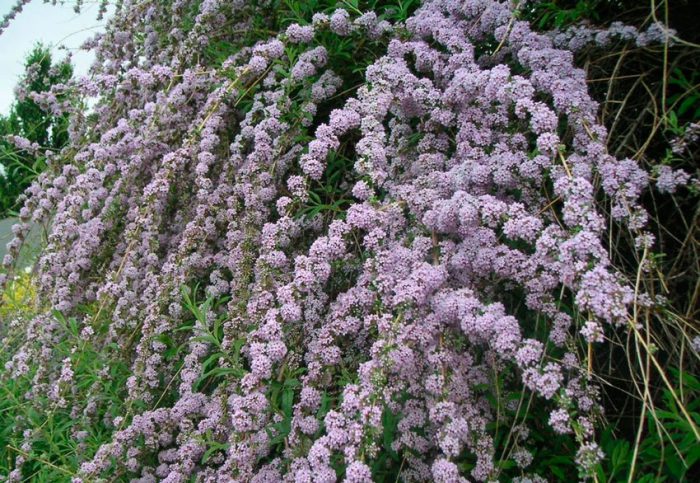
<point x="29" y="121"/>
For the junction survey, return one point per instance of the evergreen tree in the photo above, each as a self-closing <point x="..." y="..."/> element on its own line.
<point x="30" y="121"/>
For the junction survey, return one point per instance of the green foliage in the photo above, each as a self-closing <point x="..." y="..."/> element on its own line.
<point x="331" y="195"/>
<point x="560" y="14"/>
<point x="686" y="98"/>
<point x="27" y="119"/>
<point x="221" y="362"/>
<point x="668" y="450"/>
<point x="59" y="436"/>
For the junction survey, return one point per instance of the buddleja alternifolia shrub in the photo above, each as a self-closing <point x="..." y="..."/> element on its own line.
<point x="393" y="271"/>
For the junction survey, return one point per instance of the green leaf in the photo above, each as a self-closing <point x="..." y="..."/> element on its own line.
<point x="213" y="448"/>
<point x="558" y="472"/>
<point x="687" y="104"/>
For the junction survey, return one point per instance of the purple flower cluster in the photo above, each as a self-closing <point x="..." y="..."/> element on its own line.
<point x="450" y="210"/>
<point x="14" y="11"/>
<point x="578" y="37"/>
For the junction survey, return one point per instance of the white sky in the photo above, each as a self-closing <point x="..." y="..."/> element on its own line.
<point x="52" y="25"/>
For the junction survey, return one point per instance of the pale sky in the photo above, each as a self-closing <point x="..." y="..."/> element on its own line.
<point x="52" y="25"/>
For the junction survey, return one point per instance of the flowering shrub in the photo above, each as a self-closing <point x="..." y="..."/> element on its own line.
<point x="304" y="278"/>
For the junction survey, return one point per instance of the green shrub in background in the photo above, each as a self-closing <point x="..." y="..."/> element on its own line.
<point x="28" y="120"/>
